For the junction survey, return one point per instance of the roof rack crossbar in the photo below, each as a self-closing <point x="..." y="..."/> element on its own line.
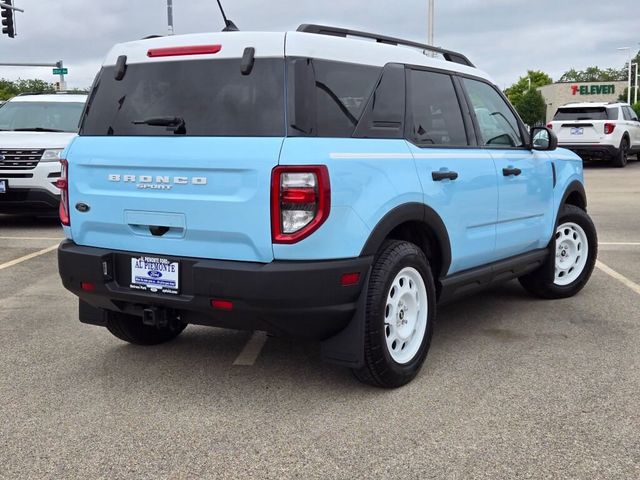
<point x="448" y="55"/>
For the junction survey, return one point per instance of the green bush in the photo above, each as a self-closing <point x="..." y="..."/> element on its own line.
<point x="636" y="107"/>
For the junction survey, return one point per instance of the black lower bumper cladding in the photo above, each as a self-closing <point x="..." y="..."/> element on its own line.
<point x="301" y="299"/>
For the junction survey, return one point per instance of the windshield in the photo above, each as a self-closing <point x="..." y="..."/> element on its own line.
<point x="192" y="98"/>
<point x="41" y="116"/>
<point x="586" y="113"/>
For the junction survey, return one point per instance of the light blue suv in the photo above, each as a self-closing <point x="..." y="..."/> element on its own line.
<point x="324" y="183"/>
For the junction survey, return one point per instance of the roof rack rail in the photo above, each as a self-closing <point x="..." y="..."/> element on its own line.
<point x="448" y="55"/>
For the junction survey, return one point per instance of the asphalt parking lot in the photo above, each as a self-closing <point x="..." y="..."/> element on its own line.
<point x="514" y="387"/>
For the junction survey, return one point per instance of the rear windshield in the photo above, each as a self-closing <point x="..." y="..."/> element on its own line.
<point x="205" y="97"/>
<point x="41" y="116"/>
<point x="587" y="113"/>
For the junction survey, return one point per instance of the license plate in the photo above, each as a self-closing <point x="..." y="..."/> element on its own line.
<point x="154" y="274"/>
<point x="3" y="186"/>
<point x="577" y="131"/>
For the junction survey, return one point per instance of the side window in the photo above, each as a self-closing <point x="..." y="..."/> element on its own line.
<point x="435" y="117"/>
<point x="498" y="124"/>
<point x="625" y="113"/>
<point x="342" y="91"/>
<point x="327" y="98"/>
<point x="632" y="112"/>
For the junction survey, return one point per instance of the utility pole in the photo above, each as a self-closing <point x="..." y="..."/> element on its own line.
<point x="170" y="16"/>
<point x="431" y="23"/>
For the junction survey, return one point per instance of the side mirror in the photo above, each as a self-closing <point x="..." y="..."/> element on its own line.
<point x="543" y="139"/>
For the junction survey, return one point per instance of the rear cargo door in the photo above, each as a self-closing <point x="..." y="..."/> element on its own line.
<point x="576" y="125"/>
<point x="176" y="159"/>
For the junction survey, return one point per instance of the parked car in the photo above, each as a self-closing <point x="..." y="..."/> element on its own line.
<point x="598" y="131"/>
<point x="34" y="129"/>
<point x="310" y="184"/>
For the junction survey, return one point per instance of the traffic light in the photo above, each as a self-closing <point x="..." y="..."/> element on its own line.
<point x="8" y="19"/>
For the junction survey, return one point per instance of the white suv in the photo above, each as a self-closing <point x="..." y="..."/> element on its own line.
<point x="598" y="130"/>
<point x="34" y="130"/>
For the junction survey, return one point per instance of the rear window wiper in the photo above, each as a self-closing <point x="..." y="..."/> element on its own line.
<point x="38" y="129"/>
<point x="177" y="124"/>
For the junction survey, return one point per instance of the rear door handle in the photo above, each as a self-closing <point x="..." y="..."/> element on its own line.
<point x="507" y="172"/>
<point x="443" y="175"/>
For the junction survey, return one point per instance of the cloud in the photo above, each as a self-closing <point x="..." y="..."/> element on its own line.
<point x="503" y="37"/>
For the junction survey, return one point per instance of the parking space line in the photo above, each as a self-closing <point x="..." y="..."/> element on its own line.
<point x="618" y="243"/>
<point x="32" y="238"/>
<point x="28" y="257"/>
<point x="618" y="276"/>
<point x="252" y="349"/>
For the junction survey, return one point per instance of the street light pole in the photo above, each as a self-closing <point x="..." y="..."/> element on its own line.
<point x="629" y="81"/>
<point x="431" y="23"/>
<point x="170" y="16"/>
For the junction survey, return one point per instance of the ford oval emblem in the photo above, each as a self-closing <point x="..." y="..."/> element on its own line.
<point x="154" y="274"/>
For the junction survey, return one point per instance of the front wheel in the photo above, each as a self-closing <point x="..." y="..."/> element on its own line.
<point x="400" y="312"/>
<point x="576" y="249"/>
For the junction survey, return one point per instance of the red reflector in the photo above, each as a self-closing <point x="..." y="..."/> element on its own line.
<point x="299" y="195"/>
<point x="88" y="287"/>
<point x="187" y="50"/>
<point x="61" y="183"/>
<point x="349" y="279"/>
<point x="222" y="305"/>
<point x="549" y="126"/>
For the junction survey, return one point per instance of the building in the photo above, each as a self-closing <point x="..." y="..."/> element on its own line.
<point x="559" y="94"/>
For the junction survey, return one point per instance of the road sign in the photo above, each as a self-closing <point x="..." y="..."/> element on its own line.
<point x="60" y="71"/>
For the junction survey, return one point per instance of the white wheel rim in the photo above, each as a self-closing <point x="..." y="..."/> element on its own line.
<point x="405" y="315"/>
<point x="572" y="250"/>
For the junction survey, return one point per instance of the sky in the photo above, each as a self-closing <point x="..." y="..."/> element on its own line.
<point x="503" y="37"/>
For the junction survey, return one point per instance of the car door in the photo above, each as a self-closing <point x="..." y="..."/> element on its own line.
<point x="634" y="127"/>
<point x="458" y="178"/>
<point x="525" y="177"/>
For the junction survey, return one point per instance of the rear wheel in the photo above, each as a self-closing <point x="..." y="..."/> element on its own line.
<point x="576" y="249"/>
<point x="131" y="329"/>
<point x="399" y="318"/>
<point x="621" y="158"/>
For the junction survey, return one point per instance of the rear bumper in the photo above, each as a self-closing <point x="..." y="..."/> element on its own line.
<point x="28" y="200"/>
<point x="590" y="151"/>
<point x="301" y="299"/>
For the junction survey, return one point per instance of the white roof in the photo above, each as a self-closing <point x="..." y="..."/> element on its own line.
<point x="277" y="45"/>
<point x="62" y="98"/>
<point x="592" y="104"/>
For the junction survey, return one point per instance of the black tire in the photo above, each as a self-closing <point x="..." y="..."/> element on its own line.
<point x="380" y="369"/>
<point x="539" y="282"/>
<point x="621" y="158"/>
<point x="131" y="329"/>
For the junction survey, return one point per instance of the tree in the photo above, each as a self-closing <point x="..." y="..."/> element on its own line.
<point x="636" y="107"/>
<point x="9" y="89"/>
<point x="531" y="107"/>
<point x="594" y="74"/>
<point x="516" y="91"/>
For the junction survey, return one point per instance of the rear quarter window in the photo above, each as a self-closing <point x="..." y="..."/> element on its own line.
<point x="331" y="95"/>
<point x="211" y="96"/>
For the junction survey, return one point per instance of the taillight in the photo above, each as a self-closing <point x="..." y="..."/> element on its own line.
<point x="550" y="126"/>
<point x="609" y="128"/>
<point x="63" y="184"/>
<point x="300" y="201"/>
